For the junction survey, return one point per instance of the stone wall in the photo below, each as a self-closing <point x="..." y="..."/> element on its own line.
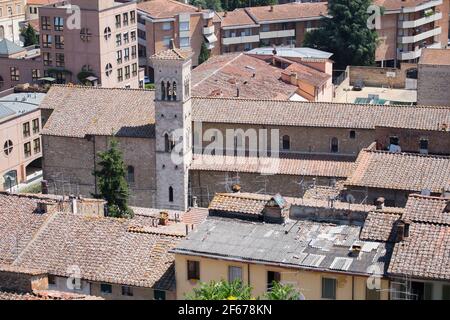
<point x="22" y="282"/>
<point x="433" y="86"/>
<point x="377" y="77"/>
<point x="77" y="155"/>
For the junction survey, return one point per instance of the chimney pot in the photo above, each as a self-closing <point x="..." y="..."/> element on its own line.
<point x="379" y="203"/>
<point x="236" y="188"/>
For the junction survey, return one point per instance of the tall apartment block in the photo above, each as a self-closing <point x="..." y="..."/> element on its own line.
<point x="159" y="21"/>
<point x="100" y="49"/>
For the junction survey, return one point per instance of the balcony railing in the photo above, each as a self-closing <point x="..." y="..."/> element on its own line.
<point x="277" y="34"/>
<point x="241" y="39"/>
<point x="420" y="36"/>
<point x="420" y="22"/>
<point x="208" y="30"/>
<point x="411" y="55"/>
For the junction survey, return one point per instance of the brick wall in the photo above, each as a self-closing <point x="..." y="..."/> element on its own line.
<point x="433" y="86"/>
<point x="22" y="282"/>
<point x="376" y="77"/>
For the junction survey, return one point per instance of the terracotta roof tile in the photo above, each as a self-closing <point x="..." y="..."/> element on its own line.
<point x="289" y="11"/>
<point x="251" y="204"/>
<point x="428" y="209"/>
<point x="400" y="171"/>
<point x="172" y="54"/>
<point x="307" y="74"/>
<point x="237" y="17"/>
<point x="379" y="226"/>
<point x="161" y="9"/>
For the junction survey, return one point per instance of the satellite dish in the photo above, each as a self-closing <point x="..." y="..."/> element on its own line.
<point x="350" y="198"/>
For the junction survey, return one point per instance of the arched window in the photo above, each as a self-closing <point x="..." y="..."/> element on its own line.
<point x="108" y="69"/>
<point x="168" y="90"/>
<point x="166" y="143"/>
<point x="286" y="142"/>
<point x="170" y="194"/>
<point x="334" y="145"/>
<point x="130" y="174"/>
<point x="163" y="91"/>
<point x="107" y="33"/>
<point x="174" y="91"/>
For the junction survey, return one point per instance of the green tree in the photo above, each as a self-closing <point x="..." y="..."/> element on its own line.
<point x="346" y="34"/>
<point x="282" y="292"/>
<point x="223" y="290"/>
<point x="215" y="5"/>
<point x="29" y="35"/>
<point x="112" y="184"/>
<point x="204" y="53"/>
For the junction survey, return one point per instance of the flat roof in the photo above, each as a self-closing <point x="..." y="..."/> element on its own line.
<point x="19" y="103"/>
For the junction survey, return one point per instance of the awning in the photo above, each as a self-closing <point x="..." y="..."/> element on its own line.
<point x="91" y="78"/>
<point x="211" y="37"/>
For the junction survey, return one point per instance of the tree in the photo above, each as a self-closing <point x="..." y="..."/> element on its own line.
<point x="112" y="184"/>
<point x="29" y="35"/>
<point x="215" y="5"/>
<point x="204" y="53"/>
<point x="236" y="290"/>
<point x="346" y="34"/>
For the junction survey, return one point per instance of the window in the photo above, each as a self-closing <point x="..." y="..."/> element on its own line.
<point x="234" y="273"/>
<point x="184" y="26"/>
<point x="134" y="69"/>
<point x="8" y="147"/>
<point x="105" y="288"/>
<point x="127" y="291"/>
<point x="166" y="41"/>
<point x="372" y="294"/>
<point x="130" y="174"/>
<point x="51" y="279"/>
<point x="446" y="292"/>
<point x="133" y="35"/>
<point x="15" y="74"/>
<point x="59" y="42"/>
<point x="163" y="97"/>
<point x="26" y="129"/>
<point x="166" y="26"/>
<point x="141" y="34"/>
<point x="193" y="270"/>
<point x="394" y="140"/>
<point x="170" y="194"/>
<point x="265" y="28"/>
<point x="127" y="72"/>
<point x="107" y="33"/>
<point x="132" y="16"/>
<point x="159" y="294"/>
<point x="126" y="38"/>
<point x="85" y="34"/>
<point x="423" y="144"/>
<point x="133" y="52"/>
<point x="59" y="59"/>
<point x="58" y="23"/>
<point x="37" y="145"/>
<point x="27" y="149"/>
<point x="142" y="51"/>
<point x="328" y="288"/>
<point x="119" y="74"/>
<point x="125" y="19"/>
<point x="272" y="277"/>
<point x="46" y="41"/>
<point x="126" y="54"/>
<point x="118" y="40"/>
<point x="119" y="56"/>
<point x="36" y="126"/>
<point x="108" y="69"/>
<point x="185" y="42"/>
<point x="118" y="21"/>
<point x="45" y="23"/>
<point x="47" y="57"/>
<point x="334" y="145"/>
<point x="1" y="81"/>
<point x="352" y="134"/>
<point x="286" y="143"/>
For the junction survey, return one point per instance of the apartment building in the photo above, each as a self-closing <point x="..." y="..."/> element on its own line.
<point x="100" y="50"/>
<point x="18" y="65"/>
<point x="159" y="21"/>
<point x="409" y="26"/>
<point x="20" y="127"/>
<point x="33" y="6"/>
<point x="12" y="13"/>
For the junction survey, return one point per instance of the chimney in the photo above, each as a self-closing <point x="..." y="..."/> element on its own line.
<point x="172" y="44"/>
<point x="46" y="206"/>
<point x="271" y="9"/>
<point x="194" y="202"/>
<point x="355" y="249"/>
<point x="379" y="203"/>
<point x="225" y="14"/>
<point x="236" y="188"/>
<point x="73" y="204"/>
<point x="276" y="210"/>
<point x="237" y="92"/>
<point x="163" y="218"/>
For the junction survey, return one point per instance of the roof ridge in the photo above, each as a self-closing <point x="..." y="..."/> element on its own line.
<point x="411" y="154"/>
<point x="79" y="86"/>
<point x="417" y="195"/>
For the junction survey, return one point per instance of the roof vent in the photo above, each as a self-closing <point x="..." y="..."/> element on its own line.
<point x="355" y="249"/>
<point x="271" y="9"/>
<point x="379" y="203"/>
<point x="236" y="188"/>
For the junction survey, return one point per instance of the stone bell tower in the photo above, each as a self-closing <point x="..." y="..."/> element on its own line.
<point x="172" y="69"/>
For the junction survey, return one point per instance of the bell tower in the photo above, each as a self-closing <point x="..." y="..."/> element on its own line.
<point x="172" y="69"/>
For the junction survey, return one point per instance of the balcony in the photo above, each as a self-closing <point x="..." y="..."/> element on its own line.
<point x="208" y="30"/>
<point x="420" y="22"/>
<point x="423" y="6"/>
<point x="242" y="39"/>
<point x="411" y="55"/>
<point x="277" y="34"/>
<point x="421" y="36"/>
<point x="209" y="46"/>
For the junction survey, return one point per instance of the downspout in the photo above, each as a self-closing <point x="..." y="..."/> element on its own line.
<point x="95" y="163"/>
<point x="353" y="287"/>
<point x="248" y="274"/>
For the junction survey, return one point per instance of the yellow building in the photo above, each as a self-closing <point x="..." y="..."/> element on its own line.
<point x="260" y="239"/>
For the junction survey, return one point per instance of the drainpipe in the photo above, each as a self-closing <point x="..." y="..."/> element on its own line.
<point x="248" y="274"/>
<point x="353" y="287"/>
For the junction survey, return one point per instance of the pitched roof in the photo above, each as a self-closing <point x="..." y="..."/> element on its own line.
<point x="379" y="226"/>
<point x="317" y="114"/>
<point x="428" y="209"/>
<point x="7" y="47"/>
<point x="307" y="74"/>
<point x="248" y="204"/>
<point x="289" y="166"/>
<point x="397" y="5"/>
<point x="237" y="17"/>
<point x="222" y="75"/>
<point x="80" y="111"/>
<point x="288" y="11"/>
<point x="436" y="57"/>
<point x="161" y="9"/>
<point x="45" y="295"/>
<point x="400" y="171"/>
<point x="172" y="54"/>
